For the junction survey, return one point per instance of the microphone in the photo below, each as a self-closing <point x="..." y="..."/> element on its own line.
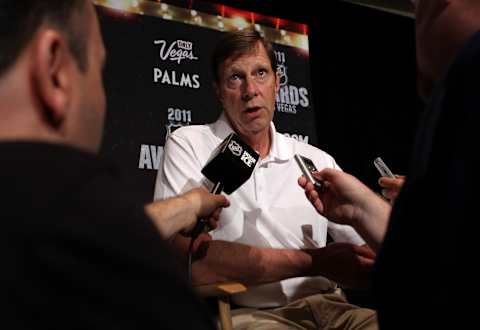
<point x="231" y="164"/>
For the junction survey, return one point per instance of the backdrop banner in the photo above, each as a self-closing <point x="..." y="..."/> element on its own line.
<point x="157" y="77"/>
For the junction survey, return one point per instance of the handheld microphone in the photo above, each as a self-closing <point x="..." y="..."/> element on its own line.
<point x="232" y="163"/>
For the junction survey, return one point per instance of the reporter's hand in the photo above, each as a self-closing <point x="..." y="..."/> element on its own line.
<point x="347" y="264"/>
<point x="180" y="214"/>
<point x="345" y="200"/>
<point x="342" y="198"/>
<point x="204" y="205"/>
<point x="391" y="186"/>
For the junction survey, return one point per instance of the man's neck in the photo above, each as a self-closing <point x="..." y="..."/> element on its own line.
<point x="260" y="142"/>
<point x="20" y="122"/>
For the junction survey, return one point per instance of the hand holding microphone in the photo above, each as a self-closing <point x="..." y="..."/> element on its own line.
<point x="204" y="205"/>
<point x="179" y="214"/>
<point x="232" y="163"/>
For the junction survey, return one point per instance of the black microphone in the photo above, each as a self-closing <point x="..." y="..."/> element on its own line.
<point x="230" y="165"/>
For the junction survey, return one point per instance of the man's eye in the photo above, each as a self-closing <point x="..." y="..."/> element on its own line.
<point x="234" y="77"/>
<point x="262" y="72"/>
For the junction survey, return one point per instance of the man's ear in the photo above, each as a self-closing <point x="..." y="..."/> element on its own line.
<point x="53" y="70"/>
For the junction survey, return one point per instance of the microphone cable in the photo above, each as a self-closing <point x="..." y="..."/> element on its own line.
<point x="199" y="227"/>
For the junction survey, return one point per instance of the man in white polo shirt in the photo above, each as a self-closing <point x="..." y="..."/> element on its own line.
<point x="270" y="238"/>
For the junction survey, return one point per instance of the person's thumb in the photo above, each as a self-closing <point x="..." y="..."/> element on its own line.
<point x="221" y="201"/>
<point x="327" y="174"/>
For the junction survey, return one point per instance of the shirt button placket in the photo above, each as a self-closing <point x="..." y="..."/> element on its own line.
<point x="261" y="184"/>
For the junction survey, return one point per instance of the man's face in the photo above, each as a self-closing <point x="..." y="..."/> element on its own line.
<point x="89" y="121"/>
<point x="247" y="88"/>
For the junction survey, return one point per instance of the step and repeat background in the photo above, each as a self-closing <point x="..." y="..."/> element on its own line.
<point x="157" y="76"/>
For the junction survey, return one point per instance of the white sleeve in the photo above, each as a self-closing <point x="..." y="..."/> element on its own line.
<point x="180" y="169"/>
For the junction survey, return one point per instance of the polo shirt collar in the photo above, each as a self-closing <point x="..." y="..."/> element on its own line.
<point x="280" y="149"/>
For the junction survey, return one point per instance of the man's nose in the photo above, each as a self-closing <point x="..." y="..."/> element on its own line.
<point x="250" y="89"/>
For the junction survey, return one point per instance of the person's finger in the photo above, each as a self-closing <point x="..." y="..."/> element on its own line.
<point x="366" y="262"/>
<point x="327" y="174"/>
<point x="309" y="186"/>
<point x="213" y="222"/>
<point x="221" y="201"/>
<point x="215" y="216"/>
<point x="387" y="182"/>
<point x="390" y="193"/>
<point x="302" y="181"/>
<point x="318" y="204"/>
<point x="313" y="195"/>
<point x="315" y="200"/>
<point x="365" y="251"/>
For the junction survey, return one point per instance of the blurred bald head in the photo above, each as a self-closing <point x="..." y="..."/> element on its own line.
<point x="442" y="27"/>
<point x="19" y="20"/>
<point x="51" y="61"/>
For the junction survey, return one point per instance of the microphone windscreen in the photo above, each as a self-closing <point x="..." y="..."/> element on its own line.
<point x="232" y="163"/>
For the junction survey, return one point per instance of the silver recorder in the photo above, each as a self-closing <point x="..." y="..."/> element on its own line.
<point x="383" y="168"/>
<point x="307" y="167"/>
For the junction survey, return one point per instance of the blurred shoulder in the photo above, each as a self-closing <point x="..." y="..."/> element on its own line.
<point x="320" y="157"/>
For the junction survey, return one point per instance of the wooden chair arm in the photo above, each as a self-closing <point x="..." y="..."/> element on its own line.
<point x="222" y="291"/>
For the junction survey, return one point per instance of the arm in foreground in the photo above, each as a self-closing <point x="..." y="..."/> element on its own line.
<point x="345" y="200"/>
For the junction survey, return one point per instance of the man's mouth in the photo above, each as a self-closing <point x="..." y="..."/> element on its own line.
<point x="252" y="109"/>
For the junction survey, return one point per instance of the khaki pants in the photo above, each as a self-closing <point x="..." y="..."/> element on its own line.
<point x="322" y="311"/>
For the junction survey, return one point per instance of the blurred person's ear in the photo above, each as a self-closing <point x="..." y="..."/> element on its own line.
<point x="277" y="81"/>
<point x="53" y="74"/>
